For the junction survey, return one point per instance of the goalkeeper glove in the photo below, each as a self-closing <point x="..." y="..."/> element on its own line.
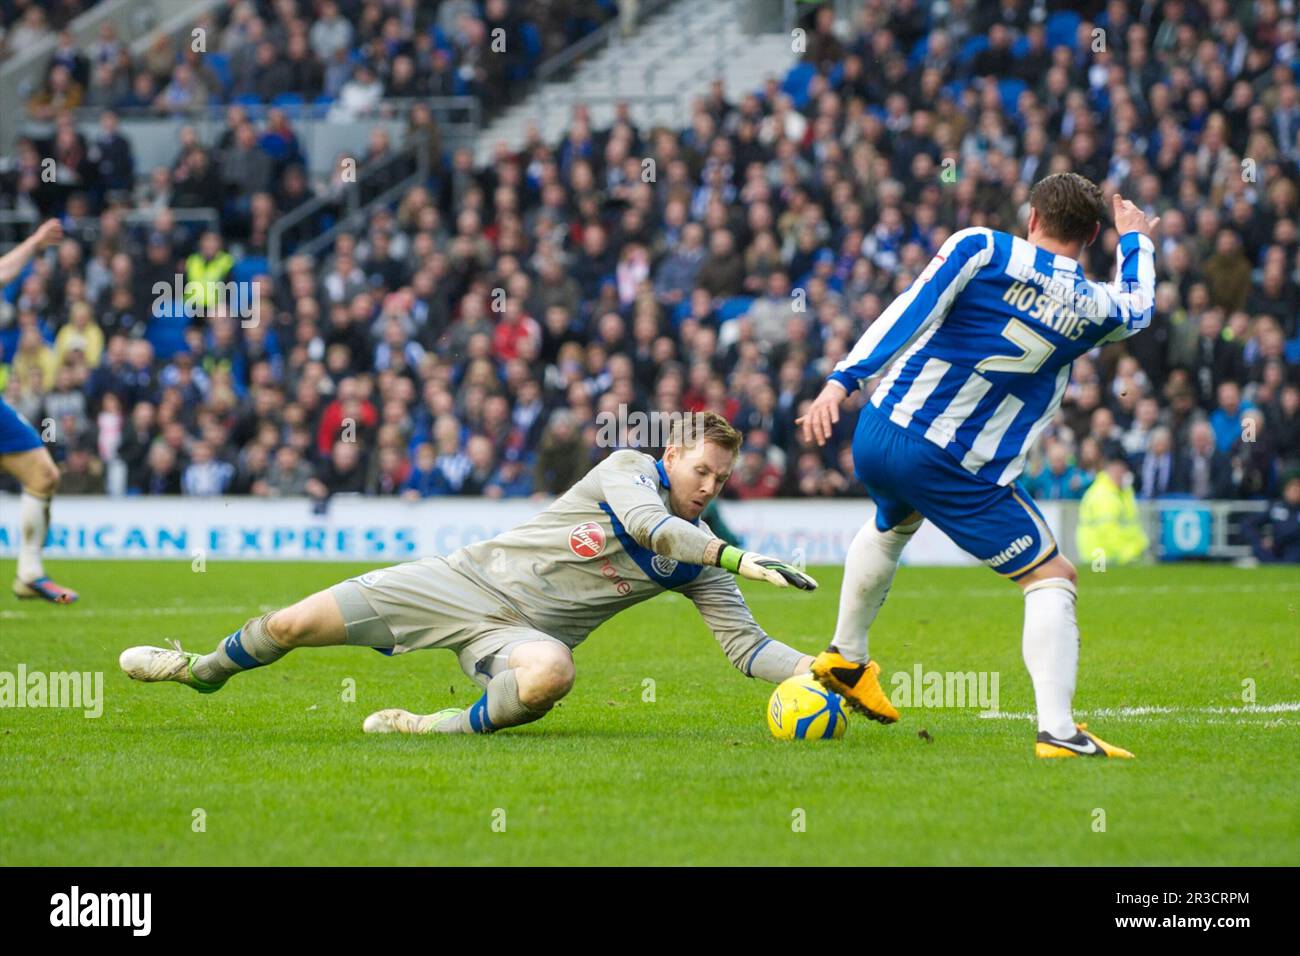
<point x="758" y="567"/>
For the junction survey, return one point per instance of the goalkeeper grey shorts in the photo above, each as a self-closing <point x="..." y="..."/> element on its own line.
<point x="427" y="603"/>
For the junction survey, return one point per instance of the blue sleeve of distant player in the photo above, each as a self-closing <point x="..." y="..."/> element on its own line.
<point x="926" y="300"/>
<point x="10" y="291"/>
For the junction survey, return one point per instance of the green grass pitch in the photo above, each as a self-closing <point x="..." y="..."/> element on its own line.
<point x="282" y="773"/>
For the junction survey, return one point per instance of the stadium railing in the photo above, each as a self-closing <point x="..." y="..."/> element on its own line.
<point x="21" y="73"/>
<point x="661" y="85"/>
<point x="15" y="226"/>
<point x="356" y="205"/>
<point x="153" y="136"/>
<point x="555" y="66"/>
<point x="1177" y="528"/>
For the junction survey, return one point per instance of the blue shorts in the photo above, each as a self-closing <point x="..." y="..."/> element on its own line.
<point x="15" y="433"/>
<point x="999" y="524"/>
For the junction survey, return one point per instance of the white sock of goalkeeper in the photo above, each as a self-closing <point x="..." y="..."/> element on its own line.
<point x="868" y="574"/>
<point x="248" y="647"/>
<point x="1051" y="651"/>
<point x="499" y="707"/>
<point x="33" y="525"/>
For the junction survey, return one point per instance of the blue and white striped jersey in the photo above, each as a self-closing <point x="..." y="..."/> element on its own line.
<point x="979" y="348"/>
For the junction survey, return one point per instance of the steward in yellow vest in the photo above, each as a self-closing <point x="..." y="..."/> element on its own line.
<point x="1108" y="517"/>
<point x="204" y="270"/>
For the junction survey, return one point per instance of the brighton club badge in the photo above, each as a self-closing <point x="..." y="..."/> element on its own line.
<point x="587" y="540"/>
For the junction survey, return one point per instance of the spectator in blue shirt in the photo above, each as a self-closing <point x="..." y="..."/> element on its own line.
<point x="512" y="479"/>
<point x="1226" y="419"/>
<point x="425" y="480"/>
<point x="1058" y="479"/>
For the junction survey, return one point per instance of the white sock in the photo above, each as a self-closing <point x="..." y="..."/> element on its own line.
<point x="1051" y="650"/>
<point x="33" y="523"/>
<point x="868" y="573"/>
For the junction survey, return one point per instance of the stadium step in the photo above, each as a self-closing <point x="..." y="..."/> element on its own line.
<point x="671" y="58"/>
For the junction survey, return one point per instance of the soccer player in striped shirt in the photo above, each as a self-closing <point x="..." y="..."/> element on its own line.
<point x="23" y="454"/>
<point x="976" y="355"/>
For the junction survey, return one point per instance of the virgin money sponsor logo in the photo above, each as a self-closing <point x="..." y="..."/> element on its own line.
<point x="587" y="540"/>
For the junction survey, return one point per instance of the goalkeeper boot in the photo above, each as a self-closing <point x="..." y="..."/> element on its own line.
<point x="152" y="664"/>
<point x="858" y="684"/>
<point x="1082" y="744"/>
<point x="397" y="721"/>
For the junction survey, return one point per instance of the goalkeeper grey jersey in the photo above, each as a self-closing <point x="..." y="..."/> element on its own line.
<point x="608" y="543"/>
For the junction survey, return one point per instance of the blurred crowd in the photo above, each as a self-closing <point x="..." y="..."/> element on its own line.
<point x="467" y="339"/>
<point x="25" y="22"/>
<point x="261" y="62"/>
<point x="349" y="54"/>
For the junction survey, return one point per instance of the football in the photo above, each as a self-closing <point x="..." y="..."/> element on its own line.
<point x="801" y="709"/>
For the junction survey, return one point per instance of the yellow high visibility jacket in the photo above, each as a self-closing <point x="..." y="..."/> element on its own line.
<point x="206" y="273"/>
<point x="1108" y="520"/>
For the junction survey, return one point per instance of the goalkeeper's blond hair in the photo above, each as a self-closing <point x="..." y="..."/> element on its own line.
<point x="691" y="429"/>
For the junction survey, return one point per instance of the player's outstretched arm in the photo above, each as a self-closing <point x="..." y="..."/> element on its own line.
<point x="748" y="647"/>
<point x="13" y="261"/>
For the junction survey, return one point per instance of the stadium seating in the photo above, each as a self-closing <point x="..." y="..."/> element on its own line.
<point x="351" y="312"/>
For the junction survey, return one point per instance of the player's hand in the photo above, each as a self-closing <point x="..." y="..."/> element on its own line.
<point x="48" y="233"/>
<point x="759" y="567"/>
<point x="823" y="413"/>
<point x="1129" y="218"/>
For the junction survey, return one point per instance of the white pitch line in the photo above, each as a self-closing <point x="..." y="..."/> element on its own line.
<point x="1085" y="591"/>
<point x="1287" y="707"/>
<point x="88" y="612"/>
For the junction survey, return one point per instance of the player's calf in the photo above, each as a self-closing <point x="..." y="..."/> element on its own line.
<point x="1050" y="644"/>
<point x="39" y="477"/>
<point x="538" y="674"/>
<point x="247" y="648"/>
<point x="314" y="621"/>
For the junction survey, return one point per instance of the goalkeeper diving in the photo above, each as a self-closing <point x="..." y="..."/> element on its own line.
<point x="514" y="608"/>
